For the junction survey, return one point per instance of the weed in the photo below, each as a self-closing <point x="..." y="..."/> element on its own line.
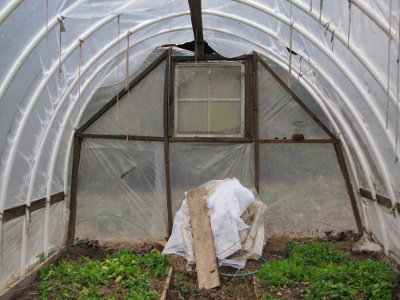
<point x="330" y="274"/>
<point x="129" y="272"/>
<point x="180" y="285"/>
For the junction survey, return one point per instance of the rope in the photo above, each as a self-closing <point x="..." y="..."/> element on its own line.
<point x="290" y="44"/>
<point x="127" y="86"/>
<point x="397" y="103"/>
<point x="388" y="74"/>
<point x="118" y="49"/>
<point x="60" y="54"/>
<point x="79" y="73"/>
<point x="348" y="32"/>
<point x="47" y="20"/>
<point x="310" y="6"/>
<point x="321" y="5"/>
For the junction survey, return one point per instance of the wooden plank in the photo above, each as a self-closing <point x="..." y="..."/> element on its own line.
<point x="74" y="190"/>
<point x="349" y="187"/>
<point x="197" y="25"/>
<point x="19" y="211"/>
<point x="316" y="141"/>
<point x="210" y="140"/>
<point x="119" y="137"/>
<point x="295" y="97"/>
<point x="254" y="117"/>
<point x="167" y="86"/>
<point x="382" y="200"/>
<point x="203" y="242"/>
<point x="122" y="93"/>
<point x="209" y="58"/>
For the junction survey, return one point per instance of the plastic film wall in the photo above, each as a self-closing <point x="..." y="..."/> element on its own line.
<point x="339" y="57"/>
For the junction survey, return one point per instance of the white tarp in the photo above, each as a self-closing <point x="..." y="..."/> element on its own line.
<point x="237" y="225"/>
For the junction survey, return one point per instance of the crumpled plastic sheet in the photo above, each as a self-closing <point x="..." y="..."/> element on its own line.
<point x="237" y="225"/>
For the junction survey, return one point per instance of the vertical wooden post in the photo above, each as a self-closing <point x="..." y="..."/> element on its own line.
<point x="254" y="116"/>
<point x="197" y="24"/>
<point x="349" y="187"/>
<point x="167" y="87"/>
<point x="74" y="190"/>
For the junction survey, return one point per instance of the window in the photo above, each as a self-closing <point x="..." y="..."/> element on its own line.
<point x="209" y="99"/>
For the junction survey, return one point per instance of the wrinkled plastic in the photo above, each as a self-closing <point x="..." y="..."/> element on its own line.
<point x="237" y="225"/>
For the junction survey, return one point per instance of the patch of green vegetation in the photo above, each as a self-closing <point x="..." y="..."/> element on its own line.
<point x="329" y="274"/>
<point x="131" y="272"/>
<point x="180" y="284"/>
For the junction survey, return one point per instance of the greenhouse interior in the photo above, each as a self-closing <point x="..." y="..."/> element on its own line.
<point x="111" y="110"/>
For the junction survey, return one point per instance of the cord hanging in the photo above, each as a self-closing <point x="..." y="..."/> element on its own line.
<point x="388" y="65"/>
<point x="62" y="29"/>
<point x="397" y="102"/>
<point x="127" y="84"/>
<point x="47" y="20"/>
<point x="321" y="5"/>
<point x="79" y="73"/>
<point x="118" y="87"/>
<point x="300" y="73"/>
<point x="348" y="32"/>
<point x="333" y="38"/>
<point x="290" y="46"/>
<point x="310" y="6"/>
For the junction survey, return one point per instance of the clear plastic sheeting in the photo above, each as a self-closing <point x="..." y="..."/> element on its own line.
<point x="121" y="195"/>
<point x="139" y="112"/>
<point x="280" y="115"/>
<point x="192" y="164"/>
<point x="304" y="189"/>
<point x="11" y="252"/>
<point x="237" y="225"/>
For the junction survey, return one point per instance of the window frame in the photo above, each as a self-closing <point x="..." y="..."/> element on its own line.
<point x="243" y="100"/>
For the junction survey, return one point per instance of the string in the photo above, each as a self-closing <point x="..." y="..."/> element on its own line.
<point x="388" y="73"/>
<point x="310" y="6"/>
<point x="290" y="46"/>
<point x="119" y="31"/>
<point x="59" y="60"/>
<point x="47" y="20"/>
<point x="79" y="73"/>
<point x="397" y="102"/>
<point x="321" y="5"/>
<point x="127" y="84"/>
<point x="348" y="32"/>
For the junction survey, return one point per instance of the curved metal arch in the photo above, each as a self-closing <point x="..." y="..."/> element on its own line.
<point x="8" y="10"/>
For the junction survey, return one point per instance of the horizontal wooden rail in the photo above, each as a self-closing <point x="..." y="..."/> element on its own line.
<point x="19" y="211"/>
<point x="382" y="200"/>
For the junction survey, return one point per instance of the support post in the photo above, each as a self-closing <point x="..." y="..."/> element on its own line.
<point x="349" y="187"/>
<point x="197" y="24"/>
<point x="74" y="190"/>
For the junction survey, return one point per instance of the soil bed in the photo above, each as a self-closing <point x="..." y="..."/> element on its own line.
<point x="183" y="284"/>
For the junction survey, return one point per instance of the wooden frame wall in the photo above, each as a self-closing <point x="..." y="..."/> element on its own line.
<point x="251" y="127"/>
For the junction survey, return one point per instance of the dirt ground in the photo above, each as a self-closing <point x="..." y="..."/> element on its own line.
<point x="183" y="283"/>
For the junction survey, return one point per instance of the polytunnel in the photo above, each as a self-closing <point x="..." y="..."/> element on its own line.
<point x="110" y="110"/>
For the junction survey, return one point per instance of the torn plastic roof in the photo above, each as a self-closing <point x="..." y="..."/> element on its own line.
<point x="59" y="59"/>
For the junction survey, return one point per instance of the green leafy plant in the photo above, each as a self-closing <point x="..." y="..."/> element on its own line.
<point x="131" y="272"/>
<point x="329" y="274"/>
<point x="180" y="284"/>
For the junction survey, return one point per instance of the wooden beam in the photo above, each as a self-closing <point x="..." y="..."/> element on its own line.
<point x="254" y="119"/>
<point x="210" y="140"/>
<point x="349" y="187"/>
<point x="209" y="58"/>
<point x="119" y="137"/>
<point x="122" y="93"/>
<point x="203" y="242"/>
<point x="382" y="200"/>
<point x="316" y="141"/>
<point x="19" y="211"/>
<point x="197" y="25"/>
<point x="294" y="96"/>
<point x="167" y="87"/>
<point x="74" y="190"/>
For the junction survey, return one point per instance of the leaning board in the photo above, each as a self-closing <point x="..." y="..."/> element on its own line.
<point x="203" y="242"/>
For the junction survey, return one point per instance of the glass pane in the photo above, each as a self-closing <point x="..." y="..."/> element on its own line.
<point x="193" y="117"/>
<point x="225" y="82"/>
<point x="193" y="82"/>
<point x="304" y="188"/>
<point x="226" y="117"/>
<point x="280" y="116"/>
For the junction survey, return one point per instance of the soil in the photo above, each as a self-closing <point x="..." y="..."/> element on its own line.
<point x="183" y="283"/>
